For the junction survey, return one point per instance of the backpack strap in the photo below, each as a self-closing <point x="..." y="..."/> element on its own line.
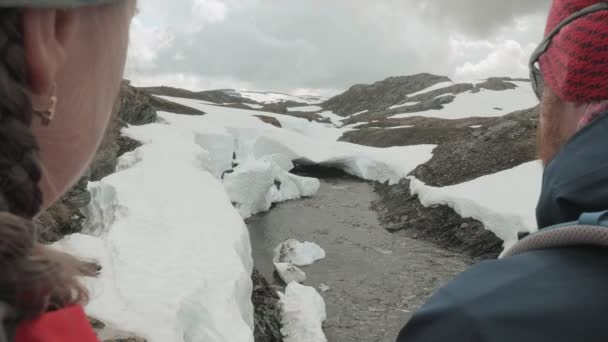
<point x="590" y="229"/>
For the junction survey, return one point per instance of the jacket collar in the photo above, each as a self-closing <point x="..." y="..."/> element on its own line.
<point x="576" y="181"/>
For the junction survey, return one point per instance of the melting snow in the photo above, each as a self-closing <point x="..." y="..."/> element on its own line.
<point x="305" y="109"/>
<point x="290" y="273"/>
<point x="303" y="313"/>
<point x="176" y="255"/>
<point x="308" y="143"/>
<point x="504" y="202"/>
<point x="298" y="253"/>
<point x="167" y="219"/>
<point x="253" y="106"/>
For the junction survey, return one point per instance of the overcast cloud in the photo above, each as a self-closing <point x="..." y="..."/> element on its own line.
<point x="325" y="46"/>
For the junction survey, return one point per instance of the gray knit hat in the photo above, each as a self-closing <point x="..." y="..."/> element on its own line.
<point x="53" y="3"/>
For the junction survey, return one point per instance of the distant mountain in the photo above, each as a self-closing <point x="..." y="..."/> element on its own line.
<point x="253" y="99"/>
<point x="375" y="96"/>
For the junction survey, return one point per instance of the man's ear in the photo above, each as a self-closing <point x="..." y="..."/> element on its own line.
<point x="47" y="35"/>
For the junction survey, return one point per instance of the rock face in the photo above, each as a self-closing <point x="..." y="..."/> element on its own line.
<point x="509" y="142"/>
<point x="215" y="96"/>
<point x="403" y="214"/>
<point x="267" y="315"/>
<point x="380" y="95"/>
<point x="423" y="131"/>
<point x="172" y="107"/>
<point x="497" y="84"/>
<point x="270" y="120"/>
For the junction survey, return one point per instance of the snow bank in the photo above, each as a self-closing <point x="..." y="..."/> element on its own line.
<point x="298" y="253"/>
<point x="380" y="164"/>
<point x="305" y="109"/>
<point x="303" y="313"/>
<point x="176" y="255"/>
<point x="306" y="142"/>
<point x="255" y="185"/>
<point x="485" y="103"/>
<point x="504" y="202"/>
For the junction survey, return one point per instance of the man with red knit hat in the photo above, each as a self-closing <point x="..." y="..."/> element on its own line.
<point x="552" y="294"/>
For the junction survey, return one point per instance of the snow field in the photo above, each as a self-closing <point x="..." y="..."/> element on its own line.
<point x="486" y="103"/>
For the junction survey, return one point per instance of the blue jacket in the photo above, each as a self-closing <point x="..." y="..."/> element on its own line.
<point x="554" y="295"/>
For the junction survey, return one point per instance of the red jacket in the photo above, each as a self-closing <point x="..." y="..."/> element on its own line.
<point x="66" y="325"/>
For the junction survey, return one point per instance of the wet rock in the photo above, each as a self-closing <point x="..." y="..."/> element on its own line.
<point x="267" y="315"/>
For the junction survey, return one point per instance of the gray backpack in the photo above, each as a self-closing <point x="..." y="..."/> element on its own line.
<point x="590" y="229"/>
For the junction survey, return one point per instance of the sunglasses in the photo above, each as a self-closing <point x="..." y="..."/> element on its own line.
<point x="536" y="76"/>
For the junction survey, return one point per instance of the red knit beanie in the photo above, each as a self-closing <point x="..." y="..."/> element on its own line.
<point x="575" y="66"/>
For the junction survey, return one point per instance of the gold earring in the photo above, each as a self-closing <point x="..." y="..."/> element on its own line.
<point x="47" y="115"/>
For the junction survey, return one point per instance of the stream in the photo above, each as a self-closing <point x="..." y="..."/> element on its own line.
<point x="375" y="279"/>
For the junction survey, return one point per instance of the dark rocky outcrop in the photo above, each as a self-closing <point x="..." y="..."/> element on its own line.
<point x="172" y="107"/>
<point x="424" y="131"/>
<point x="270" y="120"/>
<point x="509" y="142"/>
<point x="403" y="214"/>
<point x="380" y="95"/>
<point x="463" y="154"/>
<point x="222" y="96"/>
<point x="497" y="84"/>
<point x="267" y="315"/>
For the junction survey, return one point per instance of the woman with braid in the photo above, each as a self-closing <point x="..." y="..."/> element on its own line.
<point x="61" y="63"/>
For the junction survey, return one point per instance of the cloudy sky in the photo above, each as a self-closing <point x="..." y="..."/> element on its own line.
<point x="325" y="46"/>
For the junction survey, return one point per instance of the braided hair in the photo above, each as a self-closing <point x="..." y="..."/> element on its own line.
<point x="33" y="278"/>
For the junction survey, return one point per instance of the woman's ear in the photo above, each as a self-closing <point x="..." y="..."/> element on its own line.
<point x="47" y="35"/>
